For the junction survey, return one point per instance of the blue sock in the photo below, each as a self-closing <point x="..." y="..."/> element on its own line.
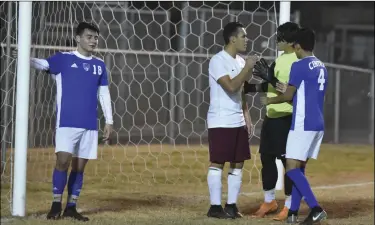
<point x="303" y="186"/>
<point x="296" y="197"/>
<point x="58" y="184"/>
<point x="74" y="187"/>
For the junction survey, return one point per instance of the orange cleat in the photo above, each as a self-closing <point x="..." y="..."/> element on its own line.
<point x="283" y="214"/>
<point x="265" y="209"/>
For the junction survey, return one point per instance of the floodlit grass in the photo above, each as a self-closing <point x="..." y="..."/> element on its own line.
<point x="165" y="185"/>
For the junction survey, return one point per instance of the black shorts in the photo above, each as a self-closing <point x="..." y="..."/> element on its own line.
<point x="274" y="135"/>
<point x="228" y="145"/>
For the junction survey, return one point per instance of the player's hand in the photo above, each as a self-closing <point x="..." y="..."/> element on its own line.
<point x="251" y="61"/>
<point x="267" y="73"/>
<point x="15" y="53"/>
<point x="107" y="132"/>
<point x="281" y="87"/>
<point x="264" y="101"/>
<point x="249" y="127"/>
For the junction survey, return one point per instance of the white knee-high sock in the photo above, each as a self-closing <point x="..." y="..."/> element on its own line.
<point x="288" y="201"/>
<point x="269" y="195"/>
<point x="214" y="185"/>
<point x="234" y="185"/>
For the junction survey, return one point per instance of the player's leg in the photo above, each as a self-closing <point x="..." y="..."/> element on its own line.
<point x="280" y="133"/>
<point x="234" y="188"/>
<point x="66" y="139"/>
<point x="300" y="147"/>
<point x="87" y="149"/>
<point x="292" y="217"/>
<point x="288" y="185"/>
<point x="297" y="197"/>
<point x="218" y="150"/>
<point x="241" y="154"/>
<point x="269" y="179"/>
<point x="316" y="214"/>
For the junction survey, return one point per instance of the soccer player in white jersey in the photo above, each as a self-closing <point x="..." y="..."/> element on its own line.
<point x="228" y="119"/>
<point x="306" y="88"/>
<point x="81" y="79"/>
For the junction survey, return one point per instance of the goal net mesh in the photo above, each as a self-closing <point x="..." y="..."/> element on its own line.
<point x="157" y="56"/>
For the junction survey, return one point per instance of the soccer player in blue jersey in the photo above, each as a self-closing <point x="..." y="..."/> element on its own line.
<point x="306" y="88"/>
<point x="81" y="79"/>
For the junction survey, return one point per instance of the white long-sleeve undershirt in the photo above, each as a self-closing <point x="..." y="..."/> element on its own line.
<point x="39" y="64"/>
<point x="105" y="102"/>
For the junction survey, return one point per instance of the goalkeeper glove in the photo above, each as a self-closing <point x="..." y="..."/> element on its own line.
<point x="262" y="70"/>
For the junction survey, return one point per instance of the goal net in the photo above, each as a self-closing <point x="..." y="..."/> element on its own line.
<point x="157" y="56"/>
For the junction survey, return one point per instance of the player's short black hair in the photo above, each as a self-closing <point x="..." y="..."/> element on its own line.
<point x="231" y="29"/>
<point x="286" y="32"/>
<point x="305" y="37"/>
<point x="84" y="25"/>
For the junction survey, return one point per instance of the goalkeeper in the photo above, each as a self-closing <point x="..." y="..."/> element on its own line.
<point x="277" y="122"/>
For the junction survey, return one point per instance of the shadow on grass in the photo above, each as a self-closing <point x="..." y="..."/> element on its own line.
<point x="340" y="209"/>
<point x="119" y="204"/>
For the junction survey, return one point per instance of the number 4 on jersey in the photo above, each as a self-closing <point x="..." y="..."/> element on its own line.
<point x="321" y="80"/>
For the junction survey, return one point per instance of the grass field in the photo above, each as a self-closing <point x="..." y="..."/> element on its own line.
<point x="144" y="185"/>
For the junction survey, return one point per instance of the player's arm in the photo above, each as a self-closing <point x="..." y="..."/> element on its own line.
<point x="105" y="97"/>
<point x="39" y="64"/>
<point x="246" y="113"/>
<point x="220" y="74"/>
<point x="287" y="96"/>
<point x="250" y="88"/>
<point x="52" y="64"/>
<point x="105" y="102"/>
<point x="234" y="85"/>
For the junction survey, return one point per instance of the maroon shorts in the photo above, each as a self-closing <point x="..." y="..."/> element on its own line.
<point x="228" y="145"/>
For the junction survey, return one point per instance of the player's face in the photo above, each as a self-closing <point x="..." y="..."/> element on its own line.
<point x="88" y="40"/>
<point x="282" y="45"/>
<point x="241" y="40"/>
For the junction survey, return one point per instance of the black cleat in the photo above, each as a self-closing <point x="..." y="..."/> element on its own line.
<point x="232" y="210"/>
<point x="315" y="216"/>
<point x="217" y="211"/>
<point x="55" y="212"/>
<point x="71" y="212"/>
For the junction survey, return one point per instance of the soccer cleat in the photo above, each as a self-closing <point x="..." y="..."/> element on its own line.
<point x="55" y="212"/>
<point x="232" y="210"/>
<point x="71" y="212"/>
<point x="315" y="216"/>
<point x="283" y="214"/>
<point x="292" y="219"/>
<point x="217" y="211"/>
<point x="265" y="209"/>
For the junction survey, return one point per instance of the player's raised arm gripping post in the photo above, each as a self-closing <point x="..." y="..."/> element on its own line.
<point x="227" y="132"/>
<point x="307" y="87"/>
<point x="81" y="79"/>
<point x="277" y="122"/>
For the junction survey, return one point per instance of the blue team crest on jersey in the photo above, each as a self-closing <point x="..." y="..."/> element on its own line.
<point x="86" y="66"/>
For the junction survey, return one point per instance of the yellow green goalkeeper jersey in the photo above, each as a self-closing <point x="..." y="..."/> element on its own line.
<point x="282" y="71"/>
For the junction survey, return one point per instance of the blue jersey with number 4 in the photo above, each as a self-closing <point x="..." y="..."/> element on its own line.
<point x="77" y="81"/>
<point x="309" y="76"/>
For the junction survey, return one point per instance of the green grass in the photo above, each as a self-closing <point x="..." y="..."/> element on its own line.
<point x="169" y="187"/>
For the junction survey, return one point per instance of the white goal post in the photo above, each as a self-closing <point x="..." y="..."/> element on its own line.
<point x="22" y="112"/>
<point x="175" y="62"/>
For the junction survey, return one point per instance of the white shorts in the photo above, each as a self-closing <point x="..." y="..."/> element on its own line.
<point x="80" y="142"/>
<point x="302" y="145"/>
